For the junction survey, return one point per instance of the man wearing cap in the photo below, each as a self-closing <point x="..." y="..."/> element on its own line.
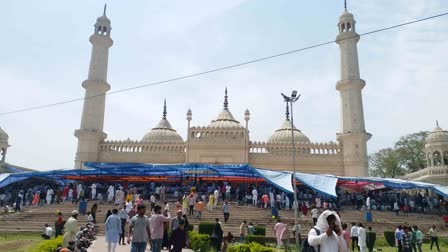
<point x="71" y="228"/>
<point x="139" y="230"/>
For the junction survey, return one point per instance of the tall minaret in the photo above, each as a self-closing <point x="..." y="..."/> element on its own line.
<point x="353" y="136"/>
<point x="91" y="132"/>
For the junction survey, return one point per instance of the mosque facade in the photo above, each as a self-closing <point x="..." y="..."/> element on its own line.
<point x="226" y="140"/>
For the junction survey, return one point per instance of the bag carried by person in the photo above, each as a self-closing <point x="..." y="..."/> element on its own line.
<point x="306" y="247"/>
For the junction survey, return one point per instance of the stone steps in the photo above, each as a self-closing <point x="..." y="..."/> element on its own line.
<point x="33" y="219"/>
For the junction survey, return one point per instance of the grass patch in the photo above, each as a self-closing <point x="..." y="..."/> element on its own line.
<point x="18" y="242"/>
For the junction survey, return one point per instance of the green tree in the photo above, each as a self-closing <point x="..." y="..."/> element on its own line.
<point x="385" y="164"/>
<point x="410" y="151"/>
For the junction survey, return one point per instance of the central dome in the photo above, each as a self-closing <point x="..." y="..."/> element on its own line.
<point x="163" y="132"/>
<point x="437" y="136"/>
<point x="225" y="118"/>
<point x="284" y="136"/>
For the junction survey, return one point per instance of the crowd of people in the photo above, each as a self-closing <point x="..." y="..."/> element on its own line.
<point x="193" y="198"/>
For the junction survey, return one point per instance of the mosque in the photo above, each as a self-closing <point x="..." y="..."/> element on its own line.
<point x="225" y="140"/>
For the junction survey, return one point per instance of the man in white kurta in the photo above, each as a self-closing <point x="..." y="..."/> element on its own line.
<point x="71" y="229"/>
<point x="362" y="238"/>
<point x="113" y="230"/>
<point x="110" y="193"/>
<point x="330" y="238"/>
<point x="93" y="191"/>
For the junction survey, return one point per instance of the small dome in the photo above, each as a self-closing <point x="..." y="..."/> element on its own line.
<point x="437" y="136"/>
<point x="103" y="20"/>
<point x="283" y="135"/>
<point x="162" y="133"/>
<point x="225" y="120"/>
<point x="346" y="16"/>
<point x="3" y="136"/>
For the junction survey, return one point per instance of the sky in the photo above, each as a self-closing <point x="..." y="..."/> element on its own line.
<point x="45" y="54"/>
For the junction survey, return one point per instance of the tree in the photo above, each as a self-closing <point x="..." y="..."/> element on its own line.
<point x="410" y="151"/>
<point x="385" y="164"/>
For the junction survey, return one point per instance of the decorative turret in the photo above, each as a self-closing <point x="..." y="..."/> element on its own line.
<point x="436" y="147"/>
<point x="163" y="132"/>
<point x="91" y="134"/>
<point x="353" y="136"/>
<point x="3" y="146"/>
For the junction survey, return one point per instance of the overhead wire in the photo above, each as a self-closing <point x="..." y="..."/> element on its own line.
<point x="225" y="67"/>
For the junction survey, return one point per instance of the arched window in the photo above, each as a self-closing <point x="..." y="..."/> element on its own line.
<point x="349" y="26"/>
<point x="343" y="27"/>
<point x="436" y="158"/>
<point x="445" y="157"/>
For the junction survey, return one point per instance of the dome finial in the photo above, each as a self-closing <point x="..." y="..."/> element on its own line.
<point x="287" y="111"/>
<point x="164" y="109"/>
<point x="437" y="123"/>
<point x="104" y="11"/>
<point x="226" y="102"/>
<point x="345" y="4"/>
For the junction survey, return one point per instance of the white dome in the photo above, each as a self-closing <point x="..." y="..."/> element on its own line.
<point x="162" y="133"/>
<point x="225" y="120"/>
<point x="437" y="136"/>
<point x="283" y="135"/>
<point x="3" y="136"/>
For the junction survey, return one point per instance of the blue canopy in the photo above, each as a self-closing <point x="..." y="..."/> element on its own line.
<point x="324" y="184"/>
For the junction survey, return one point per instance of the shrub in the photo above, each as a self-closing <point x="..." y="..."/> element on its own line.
<point x="206" y="228"/>
<point x="48" y="245"/>
<point x="199" y="242"/>
<point x="190" y="227"/>
<point x="390" y="237"/>
<point x="260" y="230"/>
<point x="251" y="247"/>
<point x="381" y="242"/>
<point x="255" y="238"/>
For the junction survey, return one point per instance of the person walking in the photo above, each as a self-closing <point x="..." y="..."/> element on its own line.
<point x="406" y="240"/>
<point x="217" y="235"/>
<point x="278" y="228"/>
<point x="200" y="208"/>
<point x="314" y="214"/>
<point x="210" y="202"/>
<point x="139" y="230"/>
<point x="254" y="197"/>
<point x="399" y="237"/>
<point x="176" y="220"/>
<point x="157" y="228"/>
<point x="178" y="237"/>
<point x="285" y="237"/>
<point x="123" y="218"/>
<point x="418" y="239"/>
<point x="346" y="235"/>
<point x="216" y="197"/>
<point x="354" y="236"/>
<point x="362" y="244"/>
<point x="71" y="229"/>
<point x="243" y="230"/>
<point x="326" y="235"/>
<point x="434" y="234"/>
<point x="113" y="231"/>
<point x="226" y="211"/>
<point x="59" y="225"/>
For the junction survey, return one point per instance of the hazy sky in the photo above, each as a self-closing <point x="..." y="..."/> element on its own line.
<point x="45" y="54"/>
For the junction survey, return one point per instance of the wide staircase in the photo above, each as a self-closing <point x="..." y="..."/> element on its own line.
<point x="34" y="219"/>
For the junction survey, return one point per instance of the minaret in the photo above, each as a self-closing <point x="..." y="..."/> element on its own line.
<point x="91" y="132"/>
<point x="353" y="136"/>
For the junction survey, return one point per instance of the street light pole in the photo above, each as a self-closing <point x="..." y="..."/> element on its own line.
<point x="291" y="100"/>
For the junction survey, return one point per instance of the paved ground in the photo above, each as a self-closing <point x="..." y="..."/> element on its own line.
<point x="100" y="245"/>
